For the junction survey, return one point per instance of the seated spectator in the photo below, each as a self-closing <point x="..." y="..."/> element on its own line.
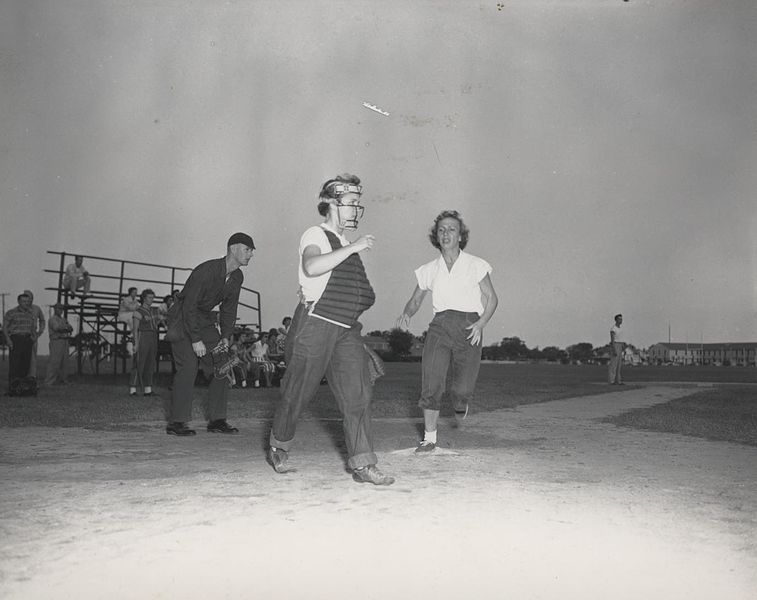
<point x="76" y="277"/>
<point x="259" y="361"/>
<point x="128" y="308"/>
<point x="239" y="372"/>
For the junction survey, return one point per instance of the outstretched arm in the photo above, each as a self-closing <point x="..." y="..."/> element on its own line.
<point x="490" y="305"/>
<point x="412" y="306"/>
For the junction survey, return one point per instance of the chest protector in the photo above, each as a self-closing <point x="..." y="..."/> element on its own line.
<point x="348" y="293"/>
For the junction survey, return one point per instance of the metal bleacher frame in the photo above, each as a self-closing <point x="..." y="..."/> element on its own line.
<point x="97" y="313"/>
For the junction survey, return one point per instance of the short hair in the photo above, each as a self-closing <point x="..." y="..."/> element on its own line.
<point x="146" y="292"/>
<point x="616" y="316"/>
<point x="449" y="214"/>
<point x="273" y="331"/>
<point x="132" y="288"/>
<point x="328" y="191"/>
<point x="285" y="319"/>
<point x="18" y="299"/>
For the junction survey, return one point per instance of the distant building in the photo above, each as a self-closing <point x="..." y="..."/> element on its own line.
<point x="379" y="344"/>
<point x="736" y="354"/>
<point x="376" y="343"/>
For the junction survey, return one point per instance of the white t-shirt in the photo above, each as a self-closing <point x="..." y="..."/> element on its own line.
<point x="312" y="287"/>
<point x="458" y="289"/>
<point x="619" y="334"/>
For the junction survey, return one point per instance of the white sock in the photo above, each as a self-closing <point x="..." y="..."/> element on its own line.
<point x="132" y="390"/>
<point x="148" y="389"/>
<point x="430" y="436"/>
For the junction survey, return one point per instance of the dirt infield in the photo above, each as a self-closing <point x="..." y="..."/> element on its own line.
<point x="543" y="501"/>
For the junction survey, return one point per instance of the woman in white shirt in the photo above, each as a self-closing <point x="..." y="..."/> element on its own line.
<point x="463" y="301"/>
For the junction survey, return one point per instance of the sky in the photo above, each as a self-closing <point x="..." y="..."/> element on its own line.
<point x="601" y="152"/>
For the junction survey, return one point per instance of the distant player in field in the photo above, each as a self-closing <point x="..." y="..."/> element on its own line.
<point x="463" y="300"/>
<point x="324" y="338"/>
<point x="617" y="346"/>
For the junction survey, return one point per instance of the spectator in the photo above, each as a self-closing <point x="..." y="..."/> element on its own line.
<point x="20" y="335"/>
<point x="239" y="371"/>
<point x="60" y="332"/>
<point x="259" y="361"/>
<point x="145" y="326"/>
<point x="76" y="277"/>
<point x="281" y="340"/>
<point x="39" y="327"/>
<point x="212" y="283"/>
<point x="128" y="308"/>
<point x="168" y="301"/>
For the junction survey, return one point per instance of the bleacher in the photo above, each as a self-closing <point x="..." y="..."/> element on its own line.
<point x="101" y="340"/>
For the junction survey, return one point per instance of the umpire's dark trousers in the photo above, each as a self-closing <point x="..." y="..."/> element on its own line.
<point x="187" y="364"/>
<point x="321" y="348"/>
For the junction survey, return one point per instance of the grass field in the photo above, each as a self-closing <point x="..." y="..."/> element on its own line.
<point x="727" y="412"/>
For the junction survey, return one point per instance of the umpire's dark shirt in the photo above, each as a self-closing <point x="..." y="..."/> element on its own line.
<point x="206" y="288"/>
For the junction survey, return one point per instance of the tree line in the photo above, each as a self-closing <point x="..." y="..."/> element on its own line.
<point x="401" y="343"/>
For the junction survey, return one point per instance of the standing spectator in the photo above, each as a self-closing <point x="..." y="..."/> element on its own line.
<point x="168" y="301"/>
<point x="463" y="300"/>
<point x="216" y="281"/>
<point x="145" y="327"/>
<point x="20" y="334"/>
<point x="335" y="291"/>
<point x="128" y="308"/>
<point x="59" y="331"/>
<point x="39" y="327"/>
<point x="76" y="277"/>
<point x="281" y="340"/>
<point x="617" y="346"/>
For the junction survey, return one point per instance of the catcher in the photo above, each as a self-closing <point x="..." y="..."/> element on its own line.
<point x="325" y="333"/>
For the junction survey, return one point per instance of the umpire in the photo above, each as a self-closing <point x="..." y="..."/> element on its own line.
<point x="216" y="282"/>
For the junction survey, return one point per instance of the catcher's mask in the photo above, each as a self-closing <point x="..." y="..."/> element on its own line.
<point x="348" y="214"/>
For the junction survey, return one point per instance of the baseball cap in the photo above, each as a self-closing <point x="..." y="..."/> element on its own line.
<point x="241" y="238"/>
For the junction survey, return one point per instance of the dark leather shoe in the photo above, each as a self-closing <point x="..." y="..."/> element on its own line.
<point x="221" y="426"/>
<point x="177" y="428"/>
<point x="371" y="474"/>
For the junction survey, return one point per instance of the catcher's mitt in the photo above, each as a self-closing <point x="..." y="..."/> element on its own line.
<point x="375" y="365"/>
<point x="224" y="361"/>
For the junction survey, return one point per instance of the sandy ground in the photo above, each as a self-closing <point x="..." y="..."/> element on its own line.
<point x="542" y="502"/>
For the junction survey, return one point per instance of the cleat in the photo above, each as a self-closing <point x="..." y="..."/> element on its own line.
<point x="425" y="447"/>
<point x="278" y="459"/>
<point x="372" y="474"/>
<point x="460" y="416"/>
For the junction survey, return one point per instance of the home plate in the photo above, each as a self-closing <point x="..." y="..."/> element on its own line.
<point x="438" y="451"/>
